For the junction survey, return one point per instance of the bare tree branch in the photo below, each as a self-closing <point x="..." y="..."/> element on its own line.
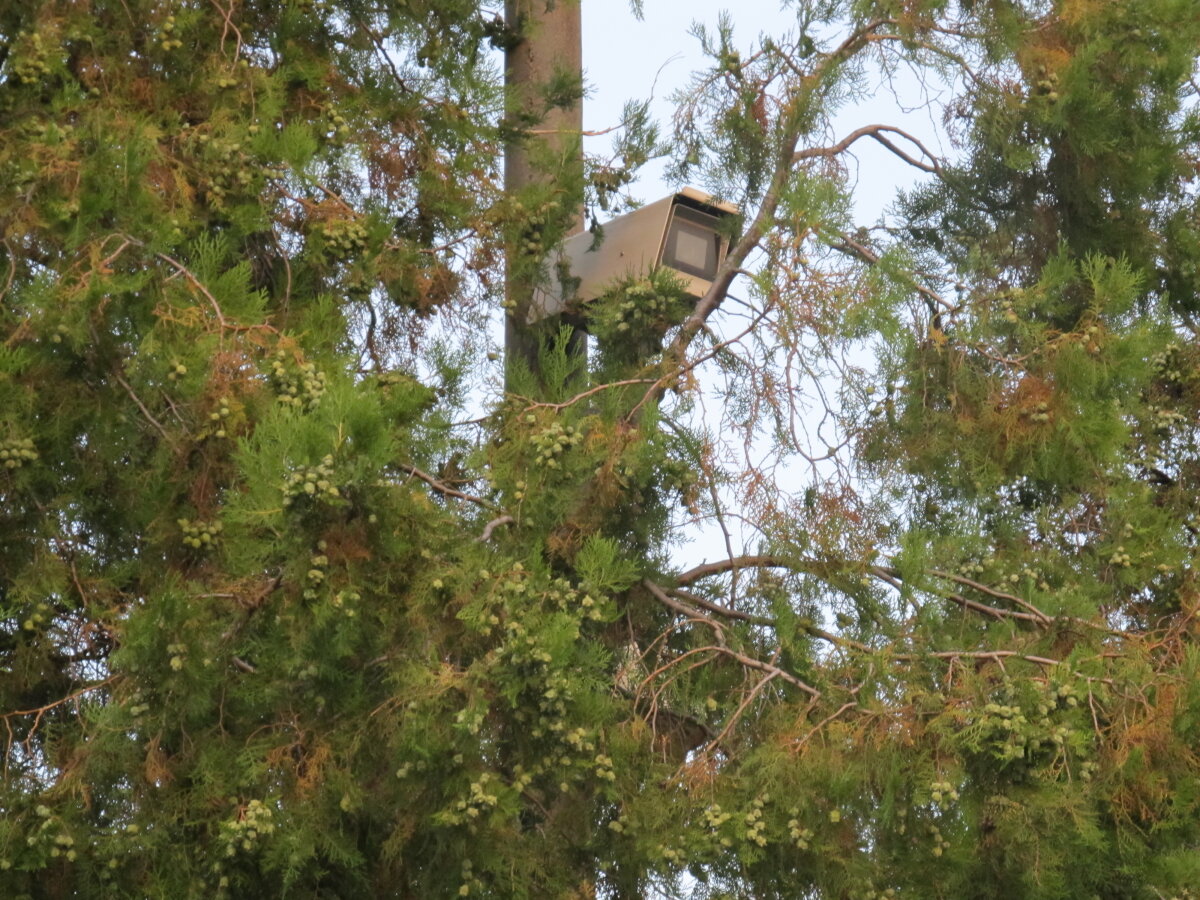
<point x="493" y="525"/>
<point x="662" y="597"/>
<point x="875" y="132"/>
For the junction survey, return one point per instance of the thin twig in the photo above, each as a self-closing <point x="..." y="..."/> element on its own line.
<point x="199" y="285"/>
<point x="682" y="368"/>
<point x="104" y="263"/>
<point x="979" y="654"/>
<point x="860" y="251"/>
<point x="38" y="711"/>
<point x="886" y="573"/>
<point x="377" y="43"/>
<point x="228" y="16"/>
<point x="442" y="488"/>
<point x="588" y="393"/>
<point x="145" y="412"/>
<point x="12" y="270"/>
<point x="737" y="713"/>
<point x="825" y="721"/>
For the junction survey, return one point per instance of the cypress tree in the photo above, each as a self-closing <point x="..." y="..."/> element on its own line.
<point x="287" y="609"/>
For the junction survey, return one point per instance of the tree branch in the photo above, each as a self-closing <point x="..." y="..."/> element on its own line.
<point x="493" y="525"/>
<point x="748" y="661"/>
<point x="860" y="251"/>
<point x="992" y="592"/>
<point x="663" y="598"/>
<point x="706" y="570"/>
<point x="145" y="412"/>
<point x="442" y="488"/>
<point x="718" y="609"/>
<point x="737" y="713"/>
<point x="875" y="132"/>
<point x="888" y="573"/>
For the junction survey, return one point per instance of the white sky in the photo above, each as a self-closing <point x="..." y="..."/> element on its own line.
<point x="625" y="59"/>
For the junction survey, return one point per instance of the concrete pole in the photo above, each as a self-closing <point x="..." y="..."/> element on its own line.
<point x="547" y="41"/>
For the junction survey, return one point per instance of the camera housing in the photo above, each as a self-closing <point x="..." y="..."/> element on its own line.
<point x="687" y="232"/>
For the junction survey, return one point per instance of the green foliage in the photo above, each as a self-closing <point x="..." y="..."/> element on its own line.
<point x="283" y="615"/>
<point x="633" y="317"/>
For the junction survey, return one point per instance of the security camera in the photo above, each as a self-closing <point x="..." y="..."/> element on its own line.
<point x="687" y="232"/>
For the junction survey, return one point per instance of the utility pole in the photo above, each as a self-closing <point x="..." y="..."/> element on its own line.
<point x="546" y="43"/>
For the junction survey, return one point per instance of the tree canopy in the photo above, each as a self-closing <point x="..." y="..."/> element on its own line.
<point x="298" y="600"/>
